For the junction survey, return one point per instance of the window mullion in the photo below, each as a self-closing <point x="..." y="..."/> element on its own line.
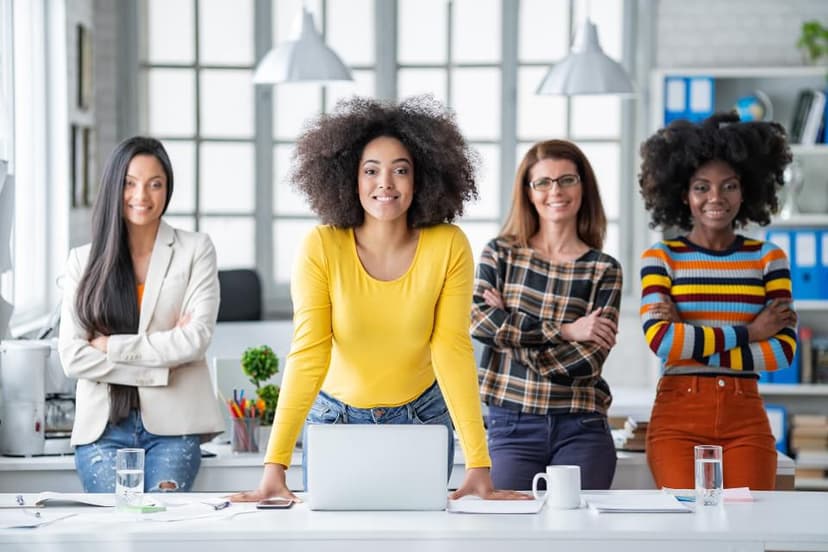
<point x="263" y="152"/>
<point x="508" y="119"/>
<point x="385" y="49"/>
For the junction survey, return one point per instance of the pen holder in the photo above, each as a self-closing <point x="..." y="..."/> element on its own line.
<point x="244" y="434"/>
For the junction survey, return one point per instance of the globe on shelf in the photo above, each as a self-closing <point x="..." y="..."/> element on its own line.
<point x="754" y="107"/>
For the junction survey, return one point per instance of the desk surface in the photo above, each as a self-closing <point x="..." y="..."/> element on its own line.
<point x="792" y="521"/>
<point x="229" y="472"/>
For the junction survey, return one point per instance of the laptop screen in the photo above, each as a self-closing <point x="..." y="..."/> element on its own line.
<point x="377" y="467"/>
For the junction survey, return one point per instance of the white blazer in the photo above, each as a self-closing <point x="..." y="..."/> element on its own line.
<point x="166" y="363"/>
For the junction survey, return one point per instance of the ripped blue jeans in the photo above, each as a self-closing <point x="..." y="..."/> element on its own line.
<point x="170" y="462"/>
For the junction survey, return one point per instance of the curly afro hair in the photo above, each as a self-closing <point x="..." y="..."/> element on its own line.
<point x="326" y="160"/>
<point x="757" y="151"/>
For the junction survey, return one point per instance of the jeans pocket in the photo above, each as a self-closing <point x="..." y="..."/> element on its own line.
<point x="435" y="412"/>
<point x="502" y="425"/>
<point x="321" y="413"/>
<point x="594" y="424"/>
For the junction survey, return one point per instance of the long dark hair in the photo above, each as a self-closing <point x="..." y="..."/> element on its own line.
<point x="106" y="301"/>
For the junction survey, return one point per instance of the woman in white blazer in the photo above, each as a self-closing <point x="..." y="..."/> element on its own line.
<point x="139" y="309"/>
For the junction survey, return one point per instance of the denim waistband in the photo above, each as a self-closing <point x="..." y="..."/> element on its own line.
<point x="379" y="414"/>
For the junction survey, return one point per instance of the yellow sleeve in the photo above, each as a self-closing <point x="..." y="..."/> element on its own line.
<point x="310" y="351"/>
<point x="452" y="355"/>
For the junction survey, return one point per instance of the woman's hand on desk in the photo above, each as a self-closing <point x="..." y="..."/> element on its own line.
<point x="273" y="484"/>
<point x="478" y="481"/>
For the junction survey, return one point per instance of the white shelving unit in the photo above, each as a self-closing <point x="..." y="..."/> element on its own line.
<point x="794" y="389"/>
<point x="782" y="86"/>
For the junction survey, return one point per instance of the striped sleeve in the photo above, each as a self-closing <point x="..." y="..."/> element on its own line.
<point x="675" y="341"/>
<point x="777" y="352"/>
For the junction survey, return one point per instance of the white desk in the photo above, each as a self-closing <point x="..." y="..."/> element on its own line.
<point x="232" y="472"/>
<point x="775" y="521"/>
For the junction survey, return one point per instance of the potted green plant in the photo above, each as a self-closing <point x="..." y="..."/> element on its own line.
<point x="813" y="41"/>
<point x="260" y="364"/>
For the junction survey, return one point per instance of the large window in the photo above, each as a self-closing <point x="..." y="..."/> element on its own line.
<point x="231" y="142"/>
<point x="593" y="122"/>
<point x="29" y="286"/>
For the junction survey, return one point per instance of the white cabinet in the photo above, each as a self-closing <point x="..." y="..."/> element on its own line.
<point x="782" y="86"/>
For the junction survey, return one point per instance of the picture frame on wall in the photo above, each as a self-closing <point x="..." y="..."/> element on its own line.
<point x="75" y="180"/>
<point x="84" y="69"/>
<point x="83" y="188"/>
<point x="90" y="187"/>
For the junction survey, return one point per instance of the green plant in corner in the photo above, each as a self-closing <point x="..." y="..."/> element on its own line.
<point x="813" y="41"/>
<point x="260" y="364"/>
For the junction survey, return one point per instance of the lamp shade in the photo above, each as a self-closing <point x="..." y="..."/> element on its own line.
<point x="587" y="69"/>
<point x="304" y="58"/>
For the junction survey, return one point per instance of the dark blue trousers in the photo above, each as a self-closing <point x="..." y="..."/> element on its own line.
<point x="522" y="445"/>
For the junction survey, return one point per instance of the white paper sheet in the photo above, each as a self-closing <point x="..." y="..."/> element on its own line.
<point x="48" y="498"/>
<point x="28" y="519"/>
<point x="475" y="505"/>
<point x="642" y="503"/>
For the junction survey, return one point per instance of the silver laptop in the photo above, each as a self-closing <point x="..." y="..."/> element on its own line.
<point x="377" y="467"/>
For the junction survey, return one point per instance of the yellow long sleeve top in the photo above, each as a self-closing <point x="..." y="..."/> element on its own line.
<point x="372" y="343"/>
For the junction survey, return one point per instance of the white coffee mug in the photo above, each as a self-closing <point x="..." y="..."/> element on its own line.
<point x="563" y="487"/>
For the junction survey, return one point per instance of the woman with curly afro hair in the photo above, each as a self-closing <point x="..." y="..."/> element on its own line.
<point x="715" y="305"/>
<point x="382" y="290"/>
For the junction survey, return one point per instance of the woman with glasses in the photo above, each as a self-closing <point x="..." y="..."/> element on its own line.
<point x="546" y="309"/>
<point x="715" y="305"/>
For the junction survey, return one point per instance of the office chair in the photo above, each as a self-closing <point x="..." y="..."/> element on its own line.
<point x="241" y="295"/>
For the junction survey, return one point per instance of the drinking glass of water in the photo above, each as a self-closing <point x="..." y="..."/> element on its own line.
<point x="709" y="475"/>
<point x="129" y="478"/>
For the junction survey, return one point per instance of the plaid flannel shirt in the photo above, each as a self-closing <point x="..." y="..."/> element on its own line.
<point x="526" y="365"/>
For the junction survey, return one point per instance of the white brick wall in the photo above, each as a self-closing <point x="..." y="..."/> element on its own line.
<point x="704" y="33"/>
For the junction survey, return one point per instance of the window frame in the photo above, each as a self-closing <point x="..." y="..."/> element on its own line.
<point x="386" y="67"/>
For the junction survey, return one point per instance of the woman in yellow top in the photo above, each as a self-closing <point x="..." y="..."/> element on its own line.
<point x="382" y="291"/>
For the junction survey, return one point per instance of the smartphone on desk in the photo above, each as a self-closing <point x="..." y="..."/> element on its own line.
<point x="275" y="503"/>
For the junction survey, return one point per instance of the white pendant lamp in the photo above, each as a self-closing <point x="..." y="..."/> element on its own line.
<point x="303" y="58"/>
<point x="587" y="70"/>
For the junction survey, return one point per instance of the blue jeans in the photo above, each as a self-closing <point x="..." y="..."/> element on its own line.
<point x="170" y="462"/>
<point x="522" y="445"/>
<point x="428" y="408"/>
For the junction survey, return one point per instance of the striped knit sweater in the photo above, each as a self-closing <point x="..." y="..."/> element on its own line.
<point x="717" y="294"/>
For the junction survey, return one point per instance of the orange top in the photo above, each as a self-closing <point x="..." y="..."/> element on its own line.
<point x="140" y="288"/>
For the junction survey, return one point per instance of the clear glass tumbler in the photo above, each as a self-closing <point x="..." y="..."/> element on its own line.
<point x="709" y="475"/>
<point x="129" y="478"/>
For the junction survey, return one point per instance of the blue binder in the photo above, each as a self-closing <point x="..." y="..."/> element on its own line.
<point x="690" y="98"/>
<point x="778" y="418"/>
<point x="806" y="269"/>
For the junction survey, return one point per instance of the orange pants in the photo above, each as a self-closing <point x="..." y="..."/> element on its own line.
<point x="703" y="410"/>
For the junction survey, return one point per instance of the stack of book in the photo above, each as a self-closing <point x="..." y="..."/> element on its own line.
<point x="809" y="115"/>
<point x="809" y="441"/>
<point x="634" y="435"/>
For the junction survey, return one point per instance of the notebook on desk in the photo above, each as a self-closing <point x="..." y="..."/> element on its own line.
<point x="377" y="467"/>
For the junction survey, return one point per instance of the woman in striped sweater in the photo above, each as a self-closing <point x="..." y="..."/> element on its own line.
<point x="715" y="305"/>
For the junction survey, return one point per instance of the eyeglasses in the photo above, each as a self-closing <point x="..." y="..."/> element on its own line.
<point x="564" y="181"/>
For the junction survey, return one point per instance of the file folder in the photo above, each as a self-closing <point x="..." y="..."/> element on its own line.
<point x="778" y="418"/>
<point x="804" y="271"/>
<point x="690" y="98"/>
